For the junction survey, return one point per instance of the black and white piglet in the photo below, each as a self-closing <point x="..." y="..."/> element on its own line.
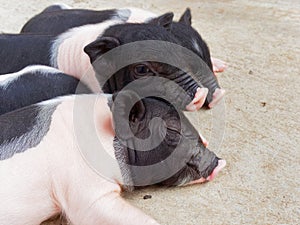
<point x="58" y="18"/>
<point x="55" y="20"/>
<point x="43" y="171"/>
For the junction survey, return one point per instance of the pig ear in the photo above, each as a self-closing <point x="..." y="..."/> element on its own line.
<point x="186" y="17"/>
<point x="164" y="20"/>
<point x="100" y="46"/>
<point x="126" y="103"/>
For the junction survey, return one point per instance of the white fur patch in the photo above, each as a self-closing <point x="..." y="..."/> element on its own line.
<point x="140" y="15"/>
<point x="123" y="14"/>
<point x="85" y="34"/>
<point x="88" y="33"/>
<point x="196" y="46"/>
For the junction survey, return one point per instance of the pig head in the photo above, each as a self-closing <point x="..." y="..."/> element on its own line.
<point x="158" y="144"/>
<point x="119" y="35"/>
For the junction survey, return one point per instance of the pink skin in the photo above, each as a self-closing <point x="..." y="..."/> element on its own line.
<point x="198" y="100"/>
<point x="200" y="97"/>
<point x="217" y="97"/>
<point x="54" y="178"/>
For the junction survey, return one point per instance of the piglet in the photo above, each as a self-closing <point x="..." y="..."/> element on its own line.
<point x="50" y="164"/>
<point x="49" y="21"/>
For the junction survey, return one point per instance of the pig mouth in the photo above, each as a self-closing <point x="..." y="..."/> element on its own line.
<point x="220" y="166"/>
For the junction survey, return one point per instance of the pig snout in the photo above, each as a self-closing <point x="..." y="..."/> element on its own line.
<point x="201" y="96"/>
<point x="219" y="167"/>
<point x="198" y="100"/>
<point x="216" y="98"/>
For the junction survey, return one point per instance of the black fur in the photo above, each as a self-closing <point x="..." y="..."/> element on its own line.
<point x="35" y="86"/>
<point x="20" y="50"/>
<point x="24" y="128"/>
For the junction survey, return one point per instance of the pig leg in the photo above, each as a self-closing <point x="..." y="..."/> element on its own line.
<point x="111" y="209"/>
<point x="86" y="197"/>
<point x="218" y="65"/>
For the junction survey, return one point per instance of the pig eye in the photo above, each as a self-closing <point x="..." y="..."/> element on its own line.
<point x="141" y="69"/>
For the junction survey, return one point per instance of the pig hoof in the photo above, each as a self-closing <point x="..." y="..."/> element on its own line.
<point x="218" y="65"/>
<point x="198" y="100"/>
<point x="217" y="96"/>
<point x="221" y="165"/>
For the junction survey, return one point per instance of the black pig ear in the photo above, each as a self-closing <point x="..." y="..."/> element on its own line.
<point x="164" y="20"/>
<point x="100" y="46"/>
<point x="186" y="17"/>
<point x="124" y="114"/>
